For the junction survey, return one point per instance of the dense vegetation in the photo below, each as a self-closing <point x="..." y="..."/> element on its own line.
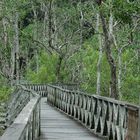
<point x="91" y="43"/>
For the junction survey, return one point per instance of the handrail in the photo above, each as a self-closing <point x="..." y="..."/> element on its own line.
<point x="32" y="92"/>
<point x="104" y="116"/>
<point x="27" y="124"/>
<point x="96" y="96"/>
<point x="19" y="98"/>
<point x="41" y="89"/>
<point x="69" y="86"/>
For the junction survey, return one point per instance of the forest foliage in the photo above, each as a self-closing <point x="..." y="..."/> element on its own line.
<point x="95" y="44"/>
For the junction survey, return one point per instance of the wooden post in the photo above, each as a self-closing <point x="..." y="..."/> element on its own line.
<point x="54" y="96"/>
<point x="138" y="137"/>
<point x="133" y="119"/>
<point x="39" y="118"/>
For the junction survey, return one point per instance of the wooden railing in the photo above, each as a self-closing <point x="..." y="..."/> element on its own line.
<point x="26" y="126"/>
<point x="108" y="118"/>
<point x="105" y="117"/>
<point x="41" y="89"/>
<point x="67" y="86"/>
<point x="10" y="109"/>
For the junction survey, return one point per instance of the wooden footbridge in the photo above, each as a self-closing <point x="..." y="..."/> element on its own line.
<point x="56" y="112"/>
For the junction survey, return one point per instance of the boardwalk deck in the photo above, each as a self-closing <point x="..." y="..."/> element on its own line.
<point x="57" y="126"/>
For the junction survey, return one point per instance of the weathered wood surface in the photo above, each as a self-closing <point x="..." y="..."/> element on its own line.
<point x="41" y="89"/>
<point x="57" y="126"/>
<point x="67" y="86"/>
<point x="26" y="125"/>
<point x="10" y="109"/>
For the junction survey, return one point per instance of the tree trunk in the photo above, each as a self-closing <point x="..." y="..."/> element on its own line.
<point x="111" y="61"/>
<point x="35" y="37"/>
<point x="98" y="90"/>
<point x="15" y="51"/>
<point x="5" y="37"/>
<point x="119" y="72"/>
<point x="45" y="21"/>
<point x="58" y="69"/>
<point x="50" y="24"/>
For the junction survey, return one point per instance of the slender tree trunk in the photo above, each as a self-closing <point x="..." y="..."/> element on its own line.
<point x="12" y="65"/>
<point x="5" y="32"/>
<point x="5" y="66"/>
<point x="37" y="61"/>
<point x="78" y="71"/>
<point x="111" y="61"/>
<point x="50" y="24"/>
<point x="98" y="88"/>
<point x="119" y="73"/>
<point x="81" y="27"/>
<point x="15" y="53"/>
<point x="36" y="38"/>
<point x="120" y="50"/>
<point x="1" y="8"/>
<point x="54" y="25"/>
<point x="45" y="21"/>
<point x="58" y="69"/>
<point x="138" y="59"/>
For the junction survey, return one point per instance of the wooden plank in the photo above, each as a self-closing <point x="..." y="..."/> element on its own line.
<point x="57" y="126"/>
